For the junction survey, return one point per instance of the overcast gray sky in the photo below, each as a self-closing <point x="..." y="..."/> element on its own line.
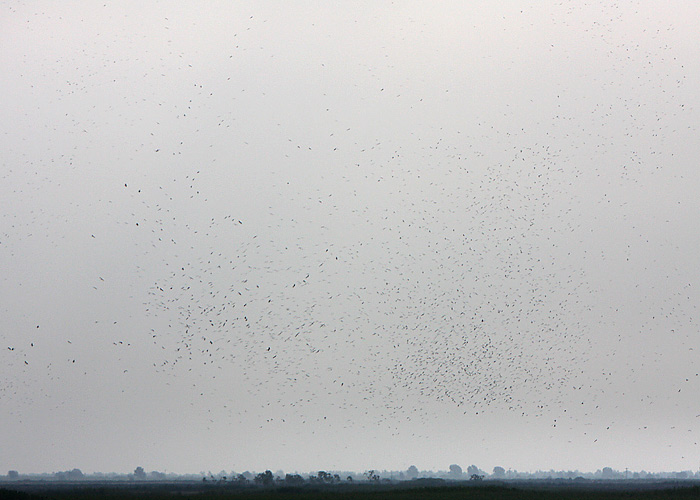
<point x="349" y="235"/>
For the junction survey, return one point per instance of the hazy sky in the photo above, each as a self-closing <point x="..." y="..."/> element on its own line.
<point x="349" y="235"/>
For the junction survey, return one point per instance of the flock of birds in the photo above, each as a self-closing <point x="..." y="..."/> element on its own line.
<point x="445" y="291"/>
<point x="356" y="268"/>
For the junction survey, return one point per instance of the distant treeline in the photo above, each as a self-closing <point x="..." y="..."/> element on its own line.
<point x="322" y="477"/>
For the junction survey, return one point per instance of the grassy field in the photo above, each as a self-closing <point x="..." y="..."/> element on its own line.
<point x="405" y="491"/>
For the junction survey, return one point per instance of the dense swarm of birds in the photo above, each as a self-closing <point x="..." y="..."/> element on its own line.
<point x="445" y="287"/>
<point x="351" y="261"/>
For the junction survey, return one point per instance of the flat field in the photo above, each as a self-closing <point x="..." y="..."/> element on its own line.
<point x="200" y="491"/>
